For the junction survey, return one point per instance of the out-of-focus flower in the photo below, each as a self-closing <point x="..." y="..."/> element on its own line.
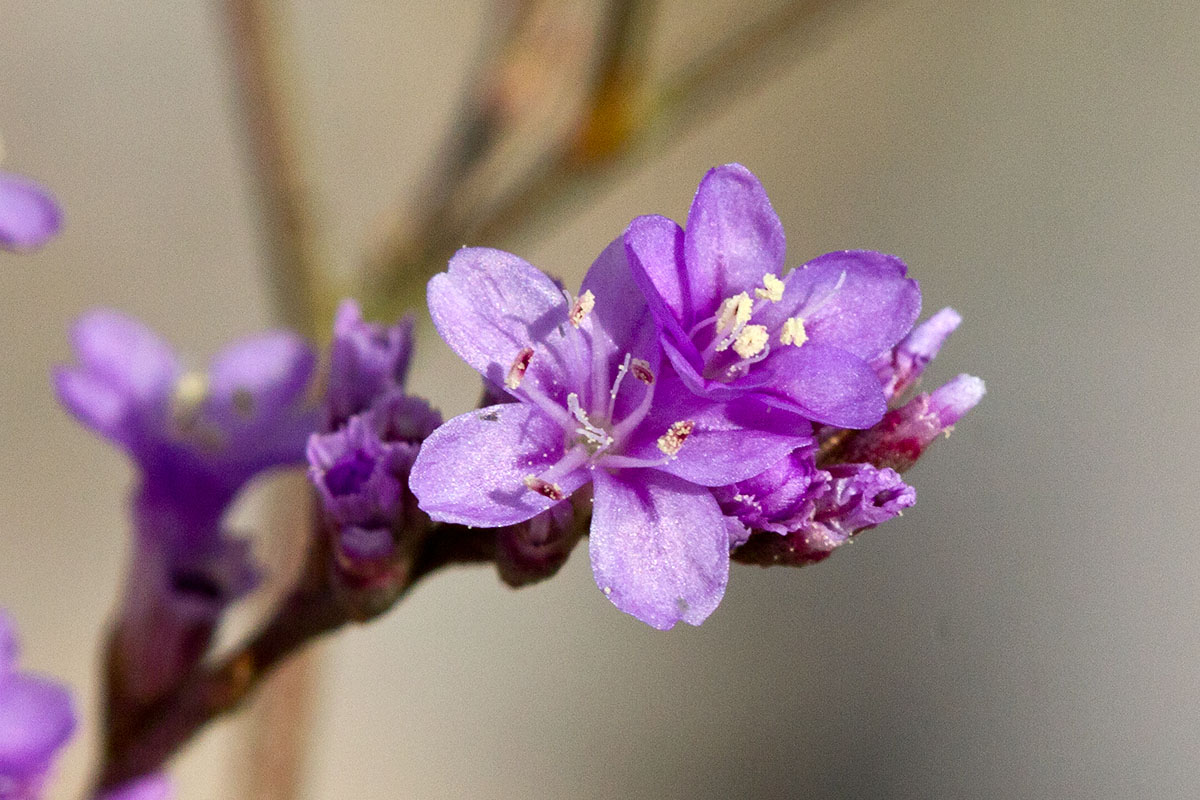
<point x="536" y="549"/>
<point x="37" y="717"/>
<point x="733" y="327"/>
<point x="197" y="440"/>
<point x="594" y="406"/>
<point x="150" y="787"/>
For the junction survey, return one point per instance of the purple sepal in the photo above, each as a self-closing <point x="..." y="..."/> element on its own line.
<point x="37" y="717"/>
<point x="29" y="215"/>
<point x="536" y="549"/>
<point x="904" y="433"/>
<point x="900" y="369"/>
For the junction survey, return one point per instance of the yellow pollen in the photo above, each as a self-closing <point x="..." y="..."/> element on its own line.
<point x="734" y="312"/>
<point x="793" y="332"/>
<point x="772" y="289"/>
<point x="751" y="341"/>
<point x="672" y="441"/>
<point x="582" y="306"/>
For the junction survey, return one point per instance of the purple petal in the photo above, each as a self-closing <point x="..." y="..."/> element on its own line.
<point x="490" y="305"/>
<point x="95" y="403"/>
<point x="824" y="384"/>
<point x="733" y="237"/>
<point x="29" y="216"/>
<point x="654" y="246"/>
<point x="902" y="367"/>
<point x="125" y="354"/>
<point x="254" y="379"/>
<point x="150" y="787"/>
<point x="659" y="547"/>
<point x="861" y="496"/>
<point x="730" y="441"/>
<point x="857" y="300"/>
<point x="36" y="719"/>
<point x="472" y="470"/>
<point x="951" y="401"/>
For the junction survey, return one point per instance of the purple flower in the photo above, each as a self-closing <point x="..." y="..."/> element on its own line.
<point x="29" y="216"/>
<point x="904" y="433"/>
<point x="361" y="475"/>
<point x="732" y="327"/>
<point x="366" y="360"/>
<point x="197" y="439"/>
<point x="778" y="499"/>
<point x="596" y="405"/>
<point x="842" y="501"/>
<point x="150" y="787"/>
<point x="37" y="718"/>
<point x="900" y="369"/>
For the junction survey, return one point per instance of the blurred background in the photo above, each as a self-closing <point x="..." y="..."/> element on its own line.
<point x="1030" y="629"/>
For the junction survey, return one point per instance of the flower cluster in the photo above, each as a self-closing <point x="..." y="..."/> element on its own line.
<point x="360" y="463"/>
<point x="691" y="396"/>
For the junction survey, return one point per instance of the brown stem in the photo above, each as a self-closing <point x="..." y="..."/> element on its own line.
<point x="294" y="255"/>
<point x="314" y="608"/>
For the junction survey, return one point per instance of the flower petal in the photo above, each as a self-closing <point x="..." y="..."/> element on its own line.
<point x="858" y="300"/>
<point x="36" y="718"/>
<point x="733" y="237"/>
<point x="490" y="305"/>
<point x="125" y="354"/>
<point x="730" y="441"/>
<point x="29" y="216"/>
<point x="254" y="379"/>
<point x="151" y="787"/>
<point x="654" y="246"/>
<point x="472" y="469"/>
<point x="824" y="384"/>
<point x="659" y="547"/>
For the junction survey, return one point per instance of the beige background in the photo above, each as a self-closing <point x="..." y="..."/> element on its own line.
<point x="1028" y="630"/>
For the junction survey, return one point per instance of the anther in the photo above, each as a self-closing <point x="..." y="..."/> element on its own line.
<point x="734" y="311"/>
<point x="641" y="370"/>
<point x="772" y="289"/>
<point x="517" y="371"/>
<point x="751" y="341"/>
<point x="545" y="488"/>
<point x="672" y="441"/>
<point x="793" y="332"/>
<point x="581" y="307"/>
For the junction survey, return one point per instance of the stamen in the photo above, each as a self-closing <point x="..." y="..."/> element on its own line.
<point x="793" y="332"/>
<point x="544" y="488"/>
<point x="582" y="306"/>
<point x="641" y="370"/>
<point x="594" y="437"/>
<point x="517" y="371"/>
<point x="672" y="441"/>
<point x="751" y="341"/>
<point x="734" y="311"/>
<point x="772" y="289"/>
<point x="621" y="370"/>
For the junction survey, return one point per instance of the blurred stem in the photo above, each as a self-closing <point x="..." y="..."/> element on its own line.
<point x="316" y="606"/>
<point x="295" y="258"/>
<point x="410" y="254"/>
<point x="622" y="124"/>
